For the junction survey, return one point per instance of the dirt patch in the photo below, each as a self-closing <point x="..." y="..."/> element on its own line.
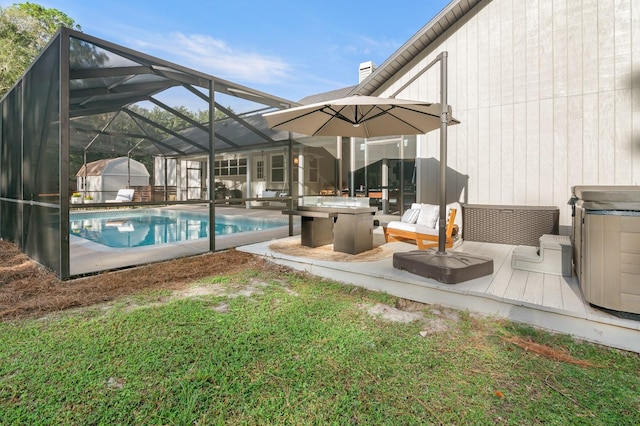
<point x="392" y="314"/>
<point x="407" y="311"/>
<point x="29" y="290"/>
<point x="294" y="248"/>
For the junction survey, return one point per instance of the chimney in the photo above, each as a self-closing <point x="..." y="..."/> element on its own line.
<point x="366" y="69"/>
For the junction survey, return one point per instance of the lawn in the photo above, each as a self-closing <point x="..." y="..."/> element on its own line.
<point x="278" y="347"/>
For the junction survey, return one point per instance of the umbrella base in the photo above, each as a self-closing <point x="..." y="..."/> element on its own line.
<point x="447" y="267"/>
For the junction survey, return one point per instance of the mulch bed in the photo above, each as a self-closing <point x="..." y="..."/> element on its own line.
<point x="29" y="290"/>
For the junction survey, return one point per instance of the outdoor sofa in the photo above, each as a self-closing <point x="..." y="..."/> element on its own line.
<point x="420" y="223"/>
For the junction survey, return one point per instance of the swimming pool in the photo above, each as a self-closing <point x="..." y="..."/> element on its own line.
<point x="154" y="226"/>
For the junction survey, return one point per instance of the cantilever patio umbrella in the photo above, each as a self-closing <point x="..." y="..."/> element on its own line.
<point x="368" y="116"/>
<point x="360" y="117"/>
<point x="365" y="117"/>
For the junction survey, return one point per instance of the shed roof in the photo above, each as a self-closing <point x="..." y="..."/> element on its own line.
<point x="113" y="166"/>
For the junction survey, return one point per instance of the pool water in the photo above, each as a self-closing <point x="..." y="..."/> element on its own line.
<point x="151" y="227"/>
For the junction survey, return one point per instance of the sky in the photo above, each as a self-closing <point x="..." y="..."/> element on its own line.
<point x="287" y="48"/>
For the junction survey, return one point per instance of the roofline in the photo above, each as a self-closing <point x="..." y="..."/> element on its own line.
<point x="437" y="26"/>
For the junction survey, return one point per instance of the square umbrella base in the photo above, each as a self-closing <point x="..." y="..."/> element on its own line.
<point x="447" y="267"/>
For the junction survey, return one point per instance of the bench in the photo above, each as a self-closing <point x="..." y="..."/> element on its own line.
<point x="123" y="196"/>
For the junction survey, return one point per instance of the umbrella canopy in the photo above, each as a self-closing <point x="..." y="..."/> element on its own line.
<point x="366" y="116"/>
<point x="370" y="116"/>
<point x="360" y="116"/>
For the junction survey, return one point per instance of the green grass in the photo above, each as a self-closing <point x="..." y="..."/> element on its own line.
<point x="299" y="350"/>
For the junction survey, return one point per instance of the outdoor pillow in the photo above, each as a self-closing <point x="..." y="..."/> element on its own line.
<point x="410" y="216"/>
<point x="428" y="215"/>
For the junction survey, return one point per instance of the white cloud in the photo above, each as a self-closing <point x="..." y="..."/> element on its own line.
<point x="207" y="54"/>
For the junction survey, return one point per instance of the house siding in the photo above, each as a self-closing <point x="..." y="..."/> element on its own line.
<point x="548" y="94"/>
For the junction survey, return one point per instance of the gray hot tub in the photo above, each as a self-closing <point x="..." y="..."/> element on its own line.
<point x="606" y="245"/>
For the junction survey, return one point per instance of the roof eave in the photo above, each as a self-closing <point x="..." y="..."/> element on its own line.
<point x="444" y="20"/>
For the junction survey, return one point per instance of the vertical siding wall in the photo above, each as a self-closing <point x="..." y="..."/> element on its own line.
<point x="548" y="93"/>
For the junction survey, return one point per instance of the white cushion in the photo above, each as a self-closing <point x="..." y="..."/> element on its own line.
<point x="410" y="216"/>
<point x="123" y="195"/>
<point x="428" y="215"/>
<point x="420" y="229"/>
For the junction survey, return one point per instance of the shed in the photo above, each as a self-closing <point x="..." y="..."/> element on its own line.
<point x="103" y="178"/>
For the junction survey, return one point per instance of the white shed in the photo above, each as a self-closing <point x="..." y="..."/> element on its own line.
<point x="103" y="178"/>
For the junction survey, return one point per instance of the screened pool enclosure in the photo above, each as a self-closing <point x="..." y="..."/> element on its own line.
<point x="84" y="100"/>
<point x="91" y="122"/>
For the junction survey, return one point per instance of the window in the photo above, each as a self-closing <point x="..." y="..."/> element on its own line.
<point x="231" y="167"/>
<point x="313" y="169"/>
<point x="277" y="168"/>
<point x="260" y="169"/>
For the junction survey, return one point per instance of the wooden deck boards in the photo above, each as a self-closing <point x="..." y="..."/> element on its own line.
<point x="523" y="287"/>
<point x="548" y="301"/>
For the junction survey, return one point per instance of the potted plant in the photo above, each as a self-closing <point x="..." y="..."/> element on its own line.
<point x="76" y="198"/>
<point x="88" y="199"/>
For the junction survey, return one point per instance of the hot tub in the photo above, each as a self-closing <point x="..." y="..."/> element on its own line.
<point x="606" y="242"/>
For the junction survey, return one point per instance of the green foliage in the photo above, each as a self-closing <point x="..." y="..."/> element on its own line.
<point x="25" y="29"/>
<point x="122" y="125"/>
<point x="299" y="350"/>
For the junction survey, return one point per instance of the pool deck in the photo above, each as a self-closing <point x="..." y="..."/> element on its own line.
<point x="88" y="257"/>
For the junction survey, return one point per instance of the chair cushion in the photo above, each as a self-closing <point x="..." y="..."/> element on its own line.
<point x="409" y="227"/>
<point x="410" y="216"/>
<point x="428" y="215"/>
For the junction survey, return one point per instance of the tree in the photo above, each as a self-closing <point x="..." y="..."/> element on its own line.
<point x="25" y="29"/>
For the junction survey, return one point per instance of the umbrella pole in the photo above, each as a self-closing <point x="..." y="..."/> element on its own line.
<point x="444" y="119"/>
<point x="453" y="267"/>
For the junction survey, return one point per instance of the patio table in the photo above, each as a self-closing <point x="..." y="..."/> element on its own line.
<point x="348" y="227"/>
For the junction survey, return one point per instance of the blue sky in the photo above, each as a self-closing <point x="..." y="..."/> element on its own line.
<point x="288" y="48"/>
